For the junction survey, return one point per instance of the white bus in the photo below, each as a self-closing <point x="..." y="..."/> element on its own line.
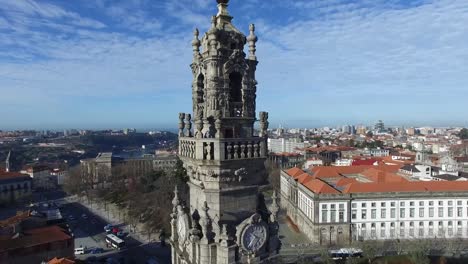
<point x="114" y="241"/>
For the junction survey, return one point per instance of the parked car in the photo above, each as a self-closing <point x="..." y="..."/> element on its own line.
<point x="79" y="251"/>
<point x="84" y="216"/>
<point x="115" y="230"/>
<point x="120" y="234"/>
<point x="71" y="217"/>
<point x="108" y="228"/>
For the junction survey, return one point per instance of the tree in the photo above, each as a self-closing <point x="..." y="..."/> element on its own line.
<point x="274" y="173"/>
<point x="418" y="252"/>
<point x="463" y="133"/>
<point x="73" y="183"/>
<point x="370" y="134"/>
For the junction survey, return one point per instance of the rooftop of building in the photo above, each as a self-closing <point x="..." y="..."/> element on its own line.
<point x="34" y="237"/>
<point x="447" y="177"/>
<point x="328" y="148"/>
<point x="286" y="154"/>
<point x="60" y="261"/>
<point x="367" y="179"/>
<point x="4" y="175"/>
<point x="36" y="168"/>
<point x="18" y="218"/>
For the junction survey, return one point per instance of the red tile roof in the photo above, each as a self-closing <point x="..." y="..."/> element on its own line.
<point x="303" y="178"/>
<point x="34" y="237"/>
<point x="60" y="261"/>
<point x="21" y="216"/>
<point x="376" y="175"/>
<point x="416" y="186"/>
<point x="11" y="175"/>
<point x="345" y="181"/>
<point x="360" y="162"/>
<point x="318" y="186"/>
<point x="293" y="172"/>
<point x="337" y="171"/>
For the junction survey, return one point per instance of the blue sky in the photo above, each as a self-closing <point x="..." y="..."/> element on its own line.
<point x="108" y="63"/>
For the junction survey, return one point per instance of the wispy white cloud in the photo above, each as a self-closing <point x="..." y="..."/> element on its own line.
<point x="328" y="54"/>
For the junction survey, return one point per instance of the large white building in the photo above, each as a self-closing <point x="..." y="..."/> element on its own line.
<point x="338" y="205"/>
<point x="278" y="145"/>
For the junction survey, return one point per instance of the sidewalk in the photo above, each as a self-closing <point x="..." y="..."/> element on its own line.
<point x="112" y="217"/>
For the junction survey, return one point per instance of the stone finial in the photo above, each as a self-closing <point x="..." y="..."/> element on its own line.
<point x="223" y="12"/>
<point x="274" y="208"/>
<point x="181" y="124"/>
<point x="188" y="125"/>
<point x="196" y="44"/>
<point x="213" y="22"/>
<point x="252" y="39"/>
<point x="263" y="123"/>
<point x="175" y="202"/>
<point x="223" y="236"/>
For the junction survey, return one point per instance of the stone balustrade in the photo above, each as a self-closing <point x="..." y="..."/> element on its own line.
<point x="223" y="149"/>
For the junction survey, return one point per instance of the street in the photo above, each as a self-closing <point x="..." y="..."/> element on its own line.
<point x="88" y="229"/>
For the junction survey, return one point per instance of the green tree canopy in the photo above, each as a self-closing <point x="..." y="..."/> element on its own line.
<point x="463" y="133"/>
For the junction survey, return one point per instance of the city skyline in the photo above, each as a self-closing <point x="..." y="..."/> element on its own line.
<point x="84" y="65"/>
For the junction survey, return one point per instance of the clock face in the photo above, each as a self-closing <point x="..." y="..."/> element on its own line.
<point x="254" y="237"/>
<point x="181" y="229"/>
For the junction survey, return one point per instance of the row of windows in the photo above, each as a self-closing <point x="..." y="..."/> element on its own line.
<point x="411" y="224"/>
<point x="450" y="212"/>
<point x="332" y="218"/>
<point x="421" y="232"/>
<point x="15" y="187"/>
<point x="341" y="206"/>
<point x="406" y="203"/>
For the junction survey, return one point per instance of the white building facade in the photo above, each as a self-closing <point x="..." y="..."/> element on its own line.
<point x="278" y="145"/>
<point x="341" y="218"/>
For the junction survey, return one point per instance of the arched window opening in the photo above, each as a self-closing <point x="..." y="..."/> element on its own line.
<point x="235" y="85"/>
<point x="201" y="88"/>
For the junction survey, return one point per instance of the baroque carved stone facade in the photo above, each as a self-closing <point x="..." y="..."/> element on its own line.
<point x="226" y="219"/>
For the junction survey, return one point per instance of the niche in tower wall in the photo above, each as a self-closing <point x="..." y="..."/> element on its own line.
<point x="235" y="88"/>
<point x="200" y="96"/>
<point x="228" y="132"/>
<point x="208" y="151"/>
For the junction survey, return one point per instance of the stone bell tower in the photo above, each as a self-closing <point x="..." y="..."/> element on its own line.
<point x="226" y="219"/>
